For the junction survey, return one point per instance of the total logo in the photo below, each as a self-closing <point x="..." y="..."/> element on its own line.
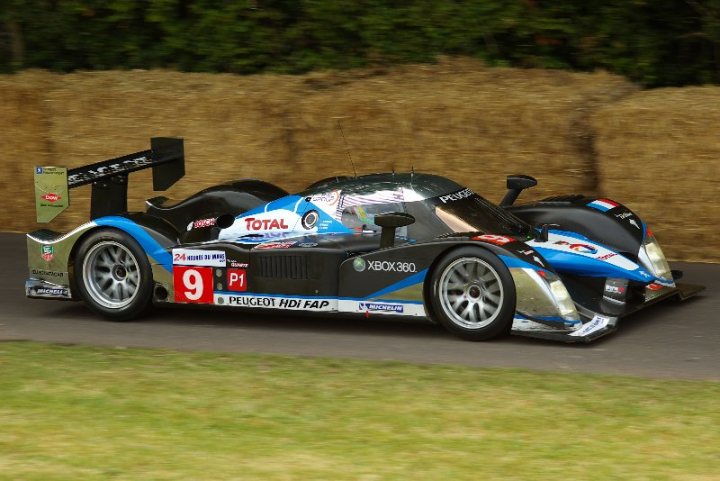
<point x="391" y="266"/>
<point x="50" y="197"/>
<point x="253" y="224"/>
<point x="578" y="247"/>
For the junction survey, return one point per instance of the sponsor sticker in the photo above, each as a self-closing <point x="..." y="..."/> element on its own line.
<point x="309" y="219"/>
<point x="459" y="195"/>
<point x="267" y="302"/>
<point x="578" y="247"/>
<point x="47" y="253"/>
<point x="237" y="280"/>
<point x="51" y="197"/>
<point x="276" y="245"/>
<point x="603" y="205"/>
<point x="202" y="223"/>
<point x="598" y="322"/>
<point x="359" y="264"/>
<point x="329" y="198"/>
<point x="52" y="292"/>
<point x="380" y="307"/>
<point x="500" y="240"/>
<point x="193" y="284"/>
<point x="197" y="257"/>
<point x="54" y="274"/>
<point x="254" y="224"/>
<point x="51" y="192"/>
<point x="391" y="266"/>
<point x="654" y="287"/>
<point x="237" y="264"/>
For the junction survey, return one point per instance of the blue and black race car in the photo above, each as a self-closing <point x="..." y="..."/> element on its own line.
<point x="411" y="244"/>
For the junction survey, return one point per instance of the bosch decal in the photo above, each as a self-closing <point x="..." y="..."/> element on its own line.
<point x="202" y="223"/>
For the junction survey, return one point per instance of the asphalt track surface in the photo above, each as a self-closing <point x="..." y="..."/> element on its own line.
<point x="670" y="340"/>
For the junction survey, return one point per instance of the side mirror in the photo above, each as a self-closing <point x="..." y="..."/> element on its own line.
<point x="515" y="185"/>
<point x="389" y="223"/>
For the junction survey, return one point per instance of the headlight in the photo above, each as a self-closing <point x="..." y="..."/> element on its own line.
<point x="565" y="304"/>
<point x="652" y="256"/>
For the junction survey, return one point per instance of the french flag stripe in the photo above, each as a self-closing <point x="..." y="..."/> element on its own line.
<point x="603" y="204"/>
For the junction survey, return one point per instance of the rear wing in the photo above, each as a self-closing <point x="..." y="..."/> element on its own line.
<point x="109" y="179"/>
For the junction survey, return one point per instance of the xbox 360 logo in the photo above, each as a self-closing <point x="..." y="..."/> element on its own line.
<point x="359" y="264"/>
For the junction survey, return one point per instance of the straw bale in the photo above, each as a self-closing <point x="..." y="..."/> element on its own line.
<point x="25" y="142"/>
<point x="658" y="152"/>
<point x="457" y="118"/>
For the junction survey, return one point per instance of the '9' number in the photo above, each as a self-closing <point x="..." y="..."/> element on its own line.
<point x="193" y="284"/>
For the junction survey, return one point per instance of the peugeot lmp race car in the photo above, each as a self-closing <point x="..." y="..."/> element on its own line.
<point x="565" y="268"/>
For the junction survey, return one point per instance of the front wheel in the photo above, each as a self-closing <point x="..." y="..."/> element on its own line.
<point x="113" y="275"/>
<point x="473" y="294"/>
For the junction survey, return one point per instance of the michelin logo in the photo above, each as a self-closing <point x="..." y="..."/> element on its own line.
<point x="380" y="307"/>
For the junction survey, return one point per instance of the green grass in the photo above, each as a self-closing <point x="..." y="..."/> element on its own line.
<point x="83" y="413"/>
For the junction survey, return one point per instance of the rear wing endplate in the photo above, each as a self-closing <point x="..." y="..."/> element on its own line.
<point x="109" y="179"/>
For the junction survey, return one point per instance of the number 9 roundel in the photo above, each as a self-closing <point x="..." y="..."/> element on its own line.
<point x="193" y="284"/>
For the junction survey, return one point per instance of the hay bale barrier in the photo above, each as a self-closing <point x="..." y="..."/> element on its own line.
<point x="457" y="118"/>
<point x="659" y="153"/>
<point x="24" y="143"/>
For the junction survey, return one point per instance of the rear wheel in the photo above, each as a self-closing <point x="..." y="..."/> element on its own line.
<point x="113" y="275"/>
<point x="473" y="294"/>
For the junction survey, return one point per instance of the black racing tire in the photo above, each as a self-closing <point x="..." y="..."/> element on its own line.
<point x="113" y="275"/>
<point x="472" y="294"/>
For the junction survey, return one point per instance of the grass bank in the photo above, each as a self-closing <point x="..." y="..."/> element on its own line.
<point x="71" y="413"/>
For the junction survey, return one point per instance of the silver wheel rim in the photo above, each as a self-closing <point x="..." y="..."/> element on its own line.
<point x="111" y="274"/>
<point x="471" y="292"/>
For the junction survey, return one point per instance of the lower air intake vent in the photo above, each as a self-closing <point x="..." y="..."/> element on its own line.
<point x="288" y="267"/>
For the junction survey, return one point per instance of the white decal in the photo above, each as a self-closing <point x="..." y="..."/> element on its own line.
<point x="392" y="266"/>
<point x="598" y="322"/>
<point x="267" y="302"/>
<point x="277" y="221"/>
<point x="462" y="194"/>
<point x="197" y="257"/>
<point x="378" y="306"/>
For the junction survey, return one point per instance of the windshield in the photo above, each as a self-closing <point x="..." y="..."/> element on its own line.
<point x="465" y="211"/>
